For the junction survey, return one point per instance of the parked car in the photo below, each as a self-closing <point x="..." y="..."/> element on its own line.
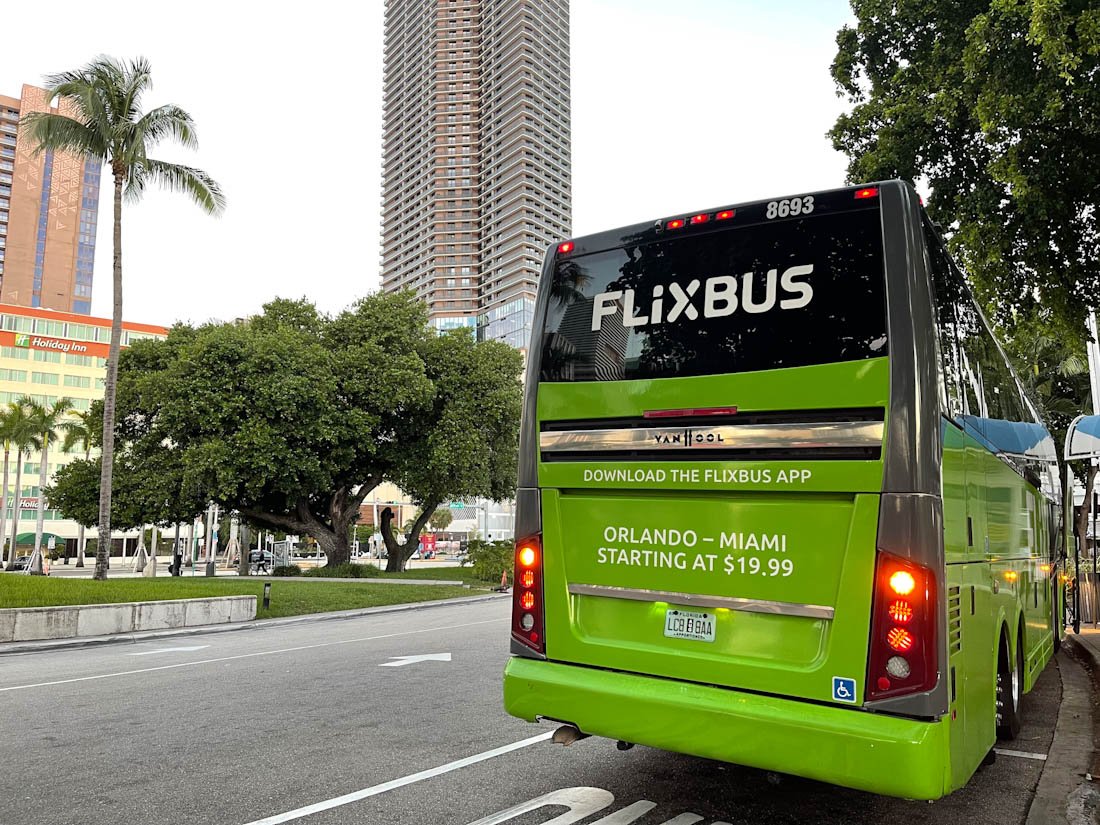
<point x="22" y="562"/>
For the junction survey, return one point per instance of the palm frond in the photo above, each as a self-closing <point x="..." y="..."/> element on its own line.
<point x="78" y="430"/>
<point x="63" y="134"/>
<point x="75" y="433"/>
<point x="139" y="77"/>
<point x="94" y="88"/>
<point x="165" y="121"/>
<point x="1072" y="365"/>
<point x="175" y="177"/>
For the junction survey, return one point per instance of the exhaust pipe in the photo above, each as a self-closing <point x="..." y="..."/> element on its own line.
<point x="567" y="735"/>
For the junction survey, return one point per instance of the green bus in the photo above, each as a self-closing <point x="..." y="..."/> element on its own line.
<point x="782" y="500"/>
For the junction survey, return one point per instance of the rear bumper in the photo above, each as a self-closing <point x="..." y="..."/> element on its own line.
<point x="850" y="747"/>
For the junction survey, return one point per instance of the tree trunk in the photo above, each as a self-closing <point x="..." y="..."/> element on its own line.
<point x="4" y="507"/>
<point x="15" y="507"/>
<point x="107" y="472"/>
<point x="334" y="544"/>
<point x="41" y="515"/>
<point x="1083" y="516"/>
<point x="245" y="551"/>
<point x="399" y="554"/>
<point x="81" y="545"/>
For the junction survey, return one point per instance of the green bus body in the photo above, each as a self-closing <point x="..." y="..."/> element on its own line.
<point x="622" y="536"/>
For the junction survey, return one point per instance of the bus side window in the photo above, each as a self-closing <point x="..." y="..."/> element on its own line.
<point x="945" y="295"/>
<point x="973" y="346"/>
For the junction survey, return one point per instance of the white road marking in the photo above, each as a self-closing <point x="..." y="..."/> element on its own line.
<point x="1042" y="757"/>
<point x="401" y="661"/>
<point x="247" y="655"/>
<point x="374" y="790"/>
<point x="168" y="650"/>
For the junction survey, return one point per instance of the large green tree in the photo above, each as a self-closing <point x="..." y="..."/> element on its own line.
<point x="463" y="443"/>
<point x="101" y="117"/>
<point x="1054" y="371"/>
<point x="292" y="418"/>
<point x="993" y="104"/>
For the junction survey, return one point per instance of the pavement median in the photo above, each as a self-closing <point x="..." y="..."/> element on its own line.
<point x="288" y="596"/>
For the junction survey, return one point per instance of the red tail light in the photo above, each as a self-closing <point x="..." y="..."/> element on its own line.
<point x="870" y="192"/>
<point x="527" y="605"/>
<point x="902" y="656"/>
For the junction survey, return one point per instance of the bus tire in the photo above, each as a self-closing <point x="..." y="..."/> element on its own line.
<point x="1009" y="686"/>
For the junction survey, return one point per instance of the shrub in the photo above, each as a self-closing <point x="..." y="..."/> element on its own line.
<point x="345" y="571"/>
<point x="491" y="558"/>
<point x="287" y="570"/>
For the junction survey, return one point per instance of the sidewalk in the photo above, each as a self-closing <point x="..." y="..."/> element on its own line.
<point x="125" y="569"/>
<point x="1090" y="637"/>
<point x="1066" y="791"/>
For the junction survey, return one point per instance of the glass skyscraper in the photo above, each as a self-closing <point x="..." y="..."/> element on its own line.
<point x="476" y="168"/>
<point x="49" y="205"/>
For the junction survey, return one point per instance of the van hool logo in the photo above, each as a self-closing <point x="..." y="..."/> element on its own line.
<point x="688" y="438"/>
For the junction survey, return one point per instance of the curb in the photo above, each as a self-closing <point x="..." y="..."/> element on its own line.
<point x="13" y="648"/>
<point x="1063" y="794"/>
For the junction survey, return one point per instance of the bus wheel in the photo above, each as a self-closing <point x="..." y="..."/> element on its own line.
<point x="1009" y="684"/>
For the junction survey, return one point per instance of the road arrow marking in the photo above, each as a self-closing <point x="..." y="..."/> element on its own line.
<point x="168" y="650"/>
<point x="411" y="660"/>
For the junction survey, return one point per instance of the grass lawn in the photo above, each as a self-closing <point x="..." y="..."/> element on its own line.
<point x="289" y="597"/>
<point x="452" y="574"/>
<point x="462" y="574"/>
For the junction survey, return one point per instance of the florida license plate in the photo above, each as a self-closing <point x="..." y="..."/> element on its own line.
<point x="687" y="624"/>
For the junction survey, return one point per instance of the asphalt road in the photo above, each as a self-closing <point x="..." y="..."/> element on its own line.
<point x="256" y="724"/>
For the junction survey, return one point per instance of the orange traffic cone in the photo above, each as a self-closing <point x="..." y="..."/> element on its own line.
<point x="504" y="578"/>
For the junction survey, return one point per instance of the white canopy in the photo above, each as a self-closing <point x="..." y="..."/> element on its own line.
<point x="1083" y="438"/>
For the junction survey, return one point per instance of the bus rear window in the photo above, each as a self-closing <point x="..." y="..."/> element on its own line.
<point x="770" y="295"/>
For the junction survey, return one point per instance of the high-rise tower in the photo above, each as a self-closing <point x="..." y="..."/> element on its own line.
<point x="49" y="204"/>
<point x="476" y="170"/>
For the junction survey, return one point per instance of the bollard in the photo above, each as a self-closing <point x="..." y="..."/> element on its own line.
<point x="267" y="595"/>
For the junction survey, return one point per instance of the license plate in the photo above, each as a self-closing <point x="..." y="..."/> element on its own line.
<point x="686" y="624"/>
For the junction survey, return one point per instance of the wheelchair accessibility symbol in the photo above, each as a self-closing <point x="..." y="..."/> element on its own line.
<point x="844" y="690"/>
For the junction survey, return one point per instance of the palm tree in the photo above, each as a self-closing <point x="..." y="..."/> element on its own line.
<point x="45" y="423"/>
<point x="78" y="431"/>
<point x="20" y="433"/>
<point x="108" y="124"/>
<point x="10" y="418"/>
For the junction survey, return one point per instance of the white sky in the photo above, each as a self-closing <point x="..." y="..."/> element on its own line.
<point x="676" y="107"/>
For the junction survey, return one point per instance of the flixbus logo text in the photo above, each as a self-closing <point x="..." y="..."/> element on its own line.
<point x="719" y="298"/>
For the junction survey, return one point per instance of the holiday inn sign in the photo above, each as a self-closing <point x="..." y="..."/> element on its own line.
<point x="38" y="342"/>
